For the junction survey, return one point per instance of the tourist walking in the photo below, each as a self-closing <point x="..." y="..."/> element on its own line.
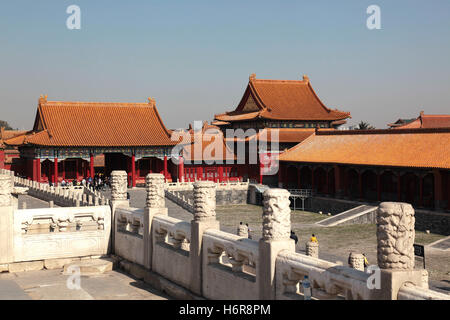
<point x="366" y="262"/>
<point x="313" y="238"/>
<point x="294" y="237"/>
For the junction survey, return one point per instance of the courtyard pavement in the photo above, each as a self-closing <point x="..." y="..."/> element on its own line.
<point x="52" y="285"/>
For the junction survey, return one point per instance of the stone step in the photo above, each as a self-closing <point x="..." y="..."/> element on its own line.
<point x="347" y="216"/>
<point x="89" y="267"/>
<point x="442" y="244"/>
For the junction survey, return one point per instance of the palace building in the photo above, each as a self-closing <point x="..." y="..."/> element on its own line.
<point x="282" y="111"/>
<point x="423" y="121"/>
<point x="408" y="165"/>
<point x="206" y="156"/>
<point x="72" y="140"/>
<point x="280" y="104"/>
<point x="9" y="155"/>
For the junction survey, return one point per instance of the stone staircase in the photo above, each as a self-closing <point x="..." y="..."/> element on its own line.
<point x="443" y="244"/>
<point x="359" y="215"/>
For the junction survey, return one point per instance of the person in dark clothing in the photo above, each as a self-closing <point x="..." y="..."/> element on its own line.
<point x="294" y="236"/>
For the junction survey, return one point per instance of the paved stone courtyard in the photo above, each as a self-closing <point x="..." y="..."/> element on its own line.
<point x="52" y="285"/>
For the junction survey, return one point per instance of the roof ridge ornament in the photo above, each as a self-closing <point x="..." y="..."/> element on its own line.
<point x="305" y="78"/>
<point x="42" y="99"/>
<point x="151" y="101"/>
<point x="252" y="77"/>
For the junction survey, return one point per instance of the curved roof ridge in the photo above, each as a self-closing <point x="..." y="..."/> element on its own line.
<point x="99" y="103"/>
<point x="304" y="81"/>
<point x="256" y="96"/>
<point x="321" y="103"/>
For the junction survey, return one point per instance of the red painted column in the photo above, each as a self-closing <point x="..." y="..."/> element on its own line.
<point x="133" y="170"/>
<point x="337" y="181"/>
<point x="261" y="169"/>
<point x="2" y="159"/>
<point x="38" y="170"/>
<point x="55" y="172"/>
<point x="421" y="191"/>
<point x="199" y="173"/>
<point x="165" y="167"/>
<point x="181" y="170"/>
<point x="360" y="185"/>
<point x="437" y="188"/>
<point x="399" y="187"/>
<point x="347" y="182"/>
<point x="327" y="191"/>
<point x="138" y="170"/>
<point x="448" y="190"/>
<point x="220" y="174"/>
<point x="312" y="178"/>
<point x="378" y="186"/>
<point x="91" y="164"/>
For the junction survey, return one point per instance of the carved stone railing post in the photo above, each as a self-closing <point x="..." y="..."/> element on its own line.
<point x="204" y="218"/>
<point x="118" y="199"/>
<point x="275" y="237"/>
<point x="6" y="219"/>
<point x="155" y="205"/>
<point x="356" y="261"/>
<point x="242" y="231"/>
<point x="312" y="249"/>
<point x="395" y="251"/>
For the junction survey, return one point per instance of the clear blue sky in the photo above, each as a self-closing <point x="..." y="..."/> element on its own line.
<point x="195" y="57"/>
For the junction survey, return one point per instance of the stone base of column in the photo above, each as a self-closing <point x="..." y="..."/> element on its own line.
<point x="392" y="280"/>
<point x="268" y="252"/>
<point x="149" y="214"/>
<point x="195" y="255"/>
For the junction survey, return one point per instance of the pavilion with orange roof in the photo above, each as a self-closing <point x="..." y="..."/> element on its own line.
<point x="287" y="111"/>
<point x="68" y="138"/>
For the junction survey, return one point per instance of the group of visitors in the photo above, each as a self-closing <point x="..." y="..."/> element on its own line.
<point x="294" y="237"/>
<point x="99" y="182"/>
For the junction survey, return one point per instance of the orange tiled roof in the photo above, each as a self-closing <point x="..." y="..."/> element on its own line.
<point x="282" y="100"/>
<point x="9" y="134"/>
<point x="426" y="121"/>
<point x="285" y="135"/>
<point x="424" y="148"/>
<point x="207" y="141"/>
<point x="219" y="123"/>
<point x="96" y="124"/>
